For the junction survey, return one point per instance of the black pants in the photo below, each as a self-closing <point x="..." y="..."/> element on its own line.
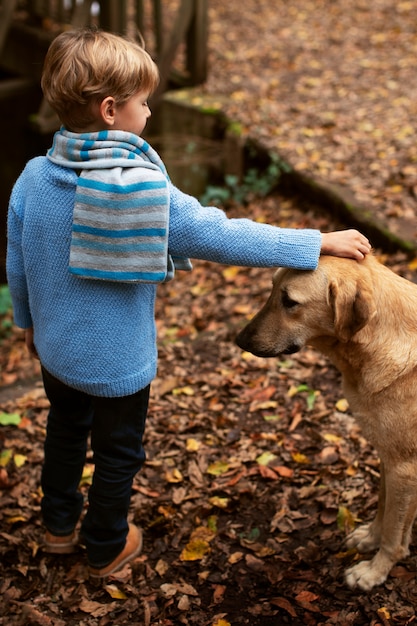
<point x="116" y="426"/>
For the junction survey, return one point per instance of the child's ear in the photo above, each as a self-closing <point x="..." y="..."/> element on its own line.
<point x="108" y="110"/>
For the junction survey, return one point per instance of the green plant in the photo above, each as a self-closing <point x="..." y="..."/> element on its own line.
<point x="5" y="311"/>
<point x="256" y="183"/>
<point x="310" y="397"/>
<point x="5" y="300"/>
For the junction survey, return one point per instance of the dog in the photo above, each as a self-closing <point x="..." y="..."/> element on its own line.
<point x="363" y="317"/>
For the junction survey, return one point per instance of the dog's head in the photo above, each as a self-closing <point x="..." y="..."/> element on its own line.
<point x="305" y="307"/>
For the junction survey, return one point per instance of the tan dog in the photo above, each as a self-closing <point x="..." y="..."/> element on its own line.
<point x="364" y="318"/>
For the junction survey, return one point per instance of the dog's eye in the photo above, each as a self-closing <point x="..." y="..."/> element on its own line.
<point x="287" y="302"/>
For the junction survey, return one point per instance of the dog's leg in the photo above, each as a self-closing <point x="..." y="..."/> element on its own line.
<point x="367" y="537"/>
<point x="400" y="511"/>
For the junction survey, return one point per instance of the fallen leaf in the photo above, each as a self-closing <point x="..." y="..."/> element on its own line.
<point x="345" y="520"/>
<point x="265" y="458"/>
<point x="221" y="503"/>
<point x="174" y="476"/>
<point x="195" y="550"/>
<point x="115" y="592"/>
<point x="218" y="468"/>
<point x="192" y="445"/>
<point x="185" y="391"/>
<point x="161" y="567"/>
<point x="218" y="594"/>
<point x="19" y="460"/>
<point x="5" y="457"/>
<point x="298" y="457"/>
<point x="10" y="419"/>
<point x="342" y="405"/>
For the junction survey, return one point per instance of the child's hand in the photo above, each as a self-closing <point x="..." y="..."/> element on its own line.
<point x="345" y="243"/>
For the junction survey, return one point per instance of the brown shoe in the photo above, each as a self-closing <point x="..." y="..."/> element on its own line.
<point x="60" y="545"/>
<point x="132" y="548"/>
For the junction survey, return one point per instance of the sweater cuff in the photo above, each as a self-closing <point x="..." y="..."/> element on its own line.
<point x="300" y="248"/>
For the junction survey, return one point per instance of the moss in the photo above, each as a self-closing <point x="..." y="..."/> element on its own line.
<point x="235" y="128"/>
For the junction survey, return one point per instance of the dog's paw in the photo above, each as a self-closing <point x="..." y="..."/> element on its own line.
<point x="364" y="539"/>
<point x="366" y="575"/>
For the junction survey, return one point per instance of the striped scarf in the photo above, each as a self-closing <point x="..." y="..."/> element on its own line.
<point x="121" y="211"/>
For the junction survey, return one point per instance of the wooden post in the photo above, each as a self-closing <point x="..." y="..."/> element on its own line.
<point x="197" y="43"/>
<point x="158" y="26"/>
<point x="179" y="30"/>
<point x="113" y="14"/>
<point x="6" y="13"/>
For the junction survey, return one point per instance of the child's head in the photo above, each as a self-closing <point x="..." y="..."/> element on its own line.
<point x="84" y="67"/>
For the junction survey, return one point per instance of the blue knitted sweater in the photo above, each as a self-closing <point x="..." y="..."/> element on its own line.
<point x="98" y="336"/>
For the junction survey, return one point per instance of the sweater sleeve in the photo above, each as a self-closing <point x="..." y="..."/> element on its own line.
<point x="207" y="233"/>
<point x="15" y="266"/>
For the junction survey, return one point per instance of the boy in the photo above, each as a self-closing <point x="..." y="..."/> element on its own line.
<point x="93" y="227"/>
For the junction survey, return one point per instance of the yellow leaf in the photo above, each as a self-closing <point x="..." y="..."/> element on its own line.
<point x="115" y="593"/>
<point x="218" y="468"/>
<point x="5" y="456"/>
<point x="342" y="405"/>
<point x="192" y="445"/>
<point x="265" y="458"/>
<point x="332" y="438"/>
<point x="292" y="391"/>
<point x="174" y="476"/>
<point x="200" y="290"/>
<point x="299" y="458"/>
<point x="87" y="476"/>
<point x="396" y="188"/>
<point x="237" y="96"/>
<point x="231" y="272"/>
<point x="16" y="518"/>
<point x="221" y="622"/>
<point x="183" y="391"/>
<point x="221" y="503"/>
<point x="351" y="470"/>
<point x="413" y="264"/>
<point x="345" y="519"/>
<point x="248" y="356"/>
<point x="195" y="550"/>
<point x="384" y="613"/>
<point x="19" y="459"/>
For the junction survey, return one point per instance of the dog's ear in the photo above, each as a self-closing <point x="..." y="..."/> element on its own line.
<point x="353" y="306"/>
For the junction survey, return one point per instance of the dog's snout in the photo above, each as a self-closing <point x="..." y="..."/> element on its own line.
<point x="243" y="339"/>
<point x="250" y="340"/>
<point x="265" y="341"/>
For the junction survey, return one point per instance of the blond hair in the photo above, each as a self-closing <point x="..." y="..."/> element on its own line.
<point x="82" y="67"/>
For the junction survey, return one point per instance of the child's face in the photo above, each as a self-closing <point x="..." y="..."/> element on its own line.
<point x="133" y="114"/>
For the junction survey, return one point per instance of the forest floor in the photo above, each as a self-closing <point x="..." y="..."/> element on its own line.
<point x="256" y="472"/>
